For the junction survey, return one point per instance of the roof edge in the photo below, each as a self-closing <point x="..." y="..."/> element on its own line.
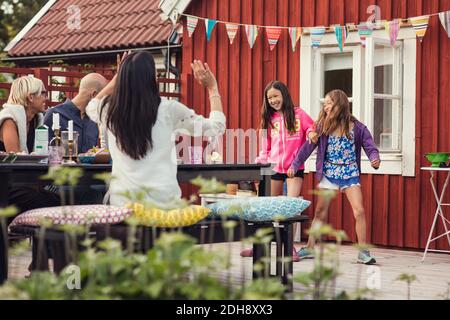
<point x="30" y="25"/>
<point x="171" y="9"/>
<point x="81" y="54"/>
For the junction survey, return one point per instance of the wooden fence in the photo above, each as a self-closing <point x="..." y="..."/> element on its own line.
<point x="62" y="84"/>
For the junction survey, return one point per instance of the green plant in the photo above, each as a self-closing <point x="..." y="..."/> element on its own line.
<point x="408" y="279"/>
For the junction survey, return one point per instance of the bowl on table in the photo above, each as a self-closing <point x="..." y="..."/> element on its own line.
<point x="437" y="158"/>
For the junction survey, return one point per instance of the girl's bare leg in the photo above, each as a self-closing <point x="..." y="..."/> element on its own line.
<point x="354" y="196"/>
<point x="276" y="188"/>
<point x="319" y="215"/>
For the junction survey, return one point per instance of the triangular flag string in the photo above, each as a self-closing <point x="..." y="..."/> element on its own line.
<point x="273" y="34"/>
<point x="191" y="25"/>
<point x="420" y="26"/>
<point x="295" y="34"/>
<point x="209" y="27"/>
<point x="364" y="32"/>
<point x="445" y="21"/>
<point x="232" y="30"/>
<point x="341" y="36"/>
<point x="392" y="29"/>
<point x="316" y="36"/>
<point x="252" y="34"/>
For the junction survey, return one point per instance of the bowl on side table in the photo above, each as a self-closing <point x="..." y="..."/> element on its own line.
<point x="437" y="158"/>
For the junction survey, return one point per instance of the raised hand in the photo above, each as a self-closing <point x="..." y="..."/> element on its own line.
<point x="203" y="74"/>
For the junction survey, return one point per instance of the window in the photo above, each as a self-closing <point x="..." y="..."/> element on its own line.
<point x="380" y="81"/>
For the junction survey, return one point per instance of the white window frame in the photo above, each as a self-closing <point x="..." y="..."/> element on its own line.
<point x="311" y="72"/>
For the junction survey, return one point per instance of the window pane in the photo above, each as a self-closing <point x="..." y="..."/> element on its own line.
<point x="383" y="79"/>
<point x="384" y="60"/>
<point x="382" y="126"/>
<point x="339" y="79"/>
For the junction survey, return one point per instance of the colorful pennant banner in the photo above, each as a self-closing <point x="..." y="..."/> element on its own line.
<point x="341" y="36"/>
<point x="392" y="29"/>
<point x="209" y="27"/>
<point x="364" y="32"/>
<point x="252" y="34"/>
<point x="316" y="36"/>
<point x="273" y="34"/>
<point x="445" y="20"/>
<point x="420" y="26"/>
<point x="191" y="25"/>
<point x="295" y="34"/>
<point x="232" y="30"/>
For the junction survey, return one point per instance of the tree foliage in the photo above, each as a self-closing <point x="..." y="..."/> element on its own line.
<point x="14" y="15"/>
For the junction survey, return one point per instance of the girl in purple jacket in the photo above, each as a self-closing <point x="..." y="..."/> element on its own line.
<point x="339" y="139"/>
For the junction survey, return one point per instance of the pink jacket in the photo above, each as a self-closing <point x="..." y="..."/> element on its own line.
<point x="280" y="147"/>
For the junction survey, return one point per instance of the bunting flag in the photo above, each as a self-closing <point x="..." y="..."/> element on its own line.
<point x="364" y="32"/>
<point x="209" y="23"/>
<point x="232" y="30"/>
<point x="273" y="34"/>
<point x="445" y="20"/>
<point x="420" y="26"/>
<point x="341" y="36"/>
<point x="392" y="28"/>
<point x="316" y="36"/>
<point x="252" y="34"/>
<point x="295" y="33"/>
<point x="191" y="25"/>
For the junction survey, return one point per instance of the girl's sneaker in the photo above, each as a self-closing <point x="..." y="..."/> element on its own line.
<point x="305" y="253"/>
<point x="364" y="257"/>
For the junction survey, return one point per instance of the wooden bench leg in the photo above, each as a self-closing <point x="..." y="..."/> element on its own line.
<point x="39" y="257"/>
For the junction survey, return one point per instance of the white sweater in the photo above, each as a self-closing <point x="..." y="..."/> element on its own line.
<point x="157" y="171"/>
<point x="18" y="115"/>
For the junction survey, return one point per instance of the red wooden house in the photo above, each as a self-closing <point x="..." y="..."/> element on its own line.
<point x="400" y="91"/>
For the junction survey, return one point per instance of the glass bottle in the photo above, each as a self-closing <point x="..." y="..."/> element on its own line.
<point x="55" y="148"/>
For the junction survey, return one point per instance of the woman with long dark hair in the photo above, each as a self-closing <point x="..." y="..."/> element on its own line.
<point x="142" y="127"/>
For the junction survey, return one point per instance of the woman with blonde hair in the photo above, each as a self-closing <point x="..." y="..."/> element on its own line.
<point x="22" y="114"/>
<point x="18" y="120"/>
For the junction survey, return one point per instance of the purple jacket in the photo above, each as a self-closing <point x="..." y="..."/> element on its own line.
<point x="363" y="139"/>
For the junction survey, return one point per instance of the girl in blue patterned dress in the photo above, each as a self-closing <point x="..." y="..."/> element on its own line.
<point x="339" y="138"/>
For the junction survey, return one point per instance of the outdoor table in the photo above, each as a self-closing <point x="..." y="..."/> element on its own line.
<point x="439" y="213"/>
<point x="30" y="173"/>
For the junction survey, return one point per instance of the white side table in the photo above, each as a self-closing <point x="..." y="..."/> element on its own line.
<point x="439" y="213"/>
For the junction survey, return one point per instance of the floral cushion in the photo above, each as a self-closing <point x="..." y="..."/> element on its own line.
<point x="80" y="215"/>
<point x="169" y="218"/>
<point x="260" y="208"/>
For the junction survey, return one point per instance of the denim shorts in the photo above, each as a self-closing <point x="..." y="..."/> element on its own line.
<point x="327" y="184"/>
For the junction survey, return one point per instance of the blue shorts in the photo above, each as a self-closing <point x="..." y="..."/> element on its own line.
<point x="338" y="185"/>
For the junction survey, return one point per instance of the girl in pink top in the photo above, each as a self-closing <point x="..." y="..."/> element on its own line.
<point x="287" y="128"/>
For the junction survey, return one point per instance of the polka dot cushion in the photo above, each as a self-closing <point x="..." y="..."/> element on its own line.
<point x="80" y="215"/>
<point x="169" y="218"/>
<point x="260" y="208"/>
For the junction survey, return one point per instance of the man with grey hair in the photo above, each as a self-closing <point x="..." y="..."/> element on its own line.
<point x="75" y="110"/>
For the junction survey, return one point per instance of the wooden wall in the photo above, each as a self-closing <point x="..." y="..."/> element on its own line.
<point x="399" y="210"/>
